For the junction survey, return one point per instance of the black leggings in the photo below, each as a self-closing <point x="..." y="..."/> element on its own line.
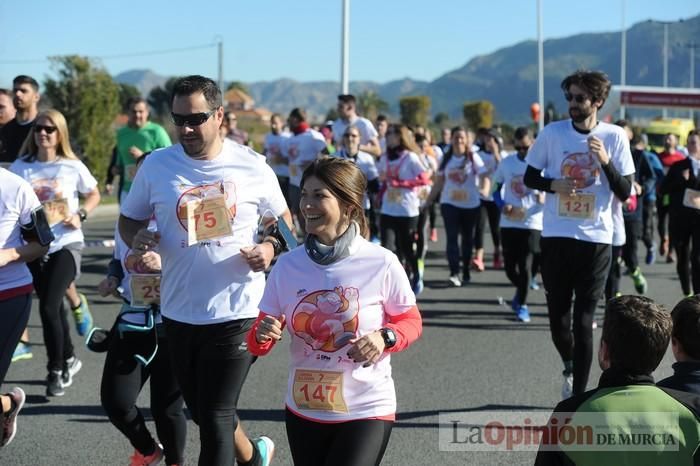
<point x="633" y="230"/>
<point x="573" y="266"/>
<point x="13" y="320"/>
<point x="458" y="222"/>
<point x="422" y="234"/>
<point x="211" y="363"/>
<point x="661" y="217"/>
<point x="685" y="229"/>
<point x="352" y="443"/>
<point x="397" y="234"/>
<point x="648" y="223"/>
<point x="612" y="284"/>
<point x="489" y="210"/>
<point x="122" y="380"/>
<point x="51" y="280"/>
<point x="518" y="247"/>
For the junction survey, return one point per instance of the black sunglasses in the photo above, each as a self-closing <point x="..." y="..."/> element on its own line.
<point x="48" y="129"/>
<point x="193" y="119"/>
<point x="522" y="148"/>
<point x="579" y="98"/>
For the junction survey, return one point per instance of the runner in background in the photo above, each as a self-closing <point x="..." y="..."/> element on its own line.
<point x="57" y="176"/>
<point x="382" y="124"/>
<point x="668" y="157"/>
<point x="459" y="184"/>
<point x="25" y="236"/>
<point x="437" y="154"/>
<point x="583" y="163"/>
<point x="347" y="115"/>
<point x="521" y="220"/>
<point x="649" y="198"/>
<point x="344" y="325"/>
<point x="402" y="175"/>
<point x="681" y="187"/>
<point x="430" y="163"/>
<point x="274" y="150"/>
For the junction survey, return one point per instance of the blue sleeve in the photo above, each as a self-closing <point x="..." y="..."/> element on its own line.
<point x="497" y="196"/>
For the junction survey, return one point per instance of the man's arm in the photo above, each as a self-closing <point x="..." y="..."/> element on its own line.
<point x="129" y="227"/>
<point x="372" y="147"/>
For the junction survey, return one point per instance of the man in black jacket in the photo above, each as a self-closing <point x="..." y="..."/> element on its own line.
<point x="685" y="342"/>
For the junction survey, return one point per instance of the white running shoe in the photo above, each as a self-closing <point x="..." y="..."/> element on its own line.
<point x="567" y="388"/>
<point x="455" y="281"/>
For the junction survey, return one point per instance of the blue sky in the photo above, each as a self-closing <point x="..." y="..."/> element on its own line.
<point x="270" y="39"/>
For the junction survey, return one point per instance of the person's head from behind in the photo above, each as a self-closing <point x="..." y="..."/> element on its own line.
<point x="635" y="336"/>
<point x="626" y="126"/>
<point x="197" y="113"/>
<point x="49" y="133"/>
<point x="7" y="108"/>
<point x="399" y="137"/>
<point x="138" y="112"/>
<point x="332" y="195"/>
<point x="382" y="124"/>
<point x="25" y="92"/>
<point x="276" y="123"/>
<point x="685" y="338"/>
<point x="586" y="92"/>
<point x="670" y="142"/>
<point x="446" y="135"/>
<point x="522" y="141"/>
<point x="346" y="106"/>
<point x="297" y="118"/>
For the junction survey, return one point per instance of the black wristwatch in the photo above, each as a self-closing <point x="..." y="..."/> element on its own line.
<point x="276" y="246"/>
<point x="82" y="213"/>
<point x="389" y="337"/>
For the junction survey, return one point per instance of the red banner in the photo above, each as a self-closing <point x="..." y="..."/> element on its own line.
<point x="660" y="99"/>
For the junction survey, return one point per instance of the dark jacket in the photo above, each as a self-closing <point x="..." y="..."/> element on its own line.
<point x="686" y="377"/>
<point x="675" y="185"/>
<point x="625" y="401"/>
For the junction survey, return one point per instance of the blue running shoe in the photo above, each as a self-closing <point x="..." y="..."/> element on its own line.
<point x="651" y="255"/>
<point x="534" y="285"/>
<point x="418" y="287"/>
<point x="523" y="314"/>
<point x="23" y="350"/>
<point x="266" y="449"/>
<point x="82" y="316"/>
<point x="514" y="304"/>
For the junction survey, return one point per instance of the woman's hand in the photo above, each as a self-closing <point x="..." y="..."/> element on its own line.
<point x="269" y="328"/>
<point x="73" y="222"/>
<point x="367" y="349"/>
<point x="108" y="286"/>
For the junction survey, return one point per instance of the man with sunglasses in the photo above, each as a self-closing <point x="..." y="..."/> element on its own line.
<point x="582" y="163"/>
<point x="136" y="138"/>
<point x="25" y="97"/>
<point x="347" y="116"/>
<point x="208" y="195"/>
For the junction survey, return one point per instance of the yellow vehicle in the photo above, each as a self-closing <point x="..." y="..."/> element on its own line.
<point x="658" y="129"/>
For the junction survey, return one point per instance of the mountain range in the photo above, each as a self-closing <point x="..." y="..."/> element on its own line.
<point x="506" y="77"/>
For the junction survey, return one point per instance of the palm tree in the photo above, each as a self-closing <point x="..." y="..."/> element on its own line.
<point x="369" y="105"/>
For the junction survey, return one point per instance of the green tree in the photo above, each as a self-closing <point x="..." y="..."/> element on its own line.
<point x="331" y="114"/>
<point x="415" y="110"/>
<point x="159" y="99"/>
<point x="89" y="99"/>
<point x="478" y="114"/>
<point x="370" y="104"/>
<point x="237" y="85"/>
<point x="441" y="119"/>
<point x="126" y="92"/>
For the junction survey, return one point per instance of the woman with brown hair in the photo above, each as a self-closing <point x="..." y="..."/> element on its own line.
<point x="348" y="305"/>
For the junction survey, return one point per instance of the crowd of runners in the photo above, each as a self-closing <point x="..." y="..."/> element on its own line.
<point x="206" y="256"/>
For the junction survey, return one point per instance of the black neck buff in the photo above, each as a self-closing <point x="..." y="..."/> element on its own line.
<point x="323" y="254"/>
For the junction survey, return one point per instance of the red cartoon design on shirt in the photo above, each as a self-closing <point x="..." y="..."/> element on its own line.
<point x="458" y="175"/>
<point x="581" y="166"/>
<point x="227" y="188"/>
<point x="518" y="188"/>
<point x="326" y="320"/>
<point x="47" y="189"/>
<point x="293" y="152"/>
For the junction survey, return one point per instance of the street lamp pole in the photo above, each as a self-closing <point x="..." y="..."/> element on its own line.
<point x="692" y="46"/>
<point x="540" y="66"/>
<point x="623" y="58"/>
<point x="345" y="48"/>
<point x="665" y="110"/>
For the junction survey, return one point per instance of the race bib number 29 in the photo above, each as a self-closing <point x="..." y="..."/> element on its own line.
<point x="206" y="219"/>
<point x="145" y="289"/>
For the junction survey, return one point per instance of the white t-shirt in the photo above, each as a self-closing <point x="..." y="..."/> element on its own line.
<point x="462" y="176"/>
<point x="619" y="237"/>
<point x="325" y="306"/>
<point x="528" y="212"/>
<point x="61" y="179"/>
<point x="275" y="145"/>
<point x="208" y="282"/>
<point x="562" y="152"/>
<point x="363" y="125"/>
<point x="365" y="162"/>
<point x="303" y="148"/>
<point x="17" y="202"/>
<point x="401" y="202"/>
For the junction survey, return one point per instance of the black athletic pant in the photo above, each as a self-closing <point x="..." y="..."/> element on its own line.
<point x="397" y="235"/>
<point x="123" y="378"/>
<point x="13" y="320"/>
<point x="422" y="235"/>
<point x="353" y="443"/>
<point x="458" y="222"/>
<point x="612" y="284"/>
<point x="518" y="244"/>
<point x="489" y="210"/>
<point x="633" y="230"/>
<point x="51" y="280"/>
<point x="661" y="217"/>
<point x="211" y="363"/>
<point x="648" y="223"/>
<point x="685" y="229"/>
<point x="573" y="266"/>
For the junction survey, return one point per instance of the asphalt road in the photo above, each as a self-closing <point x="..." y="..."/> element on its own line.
<point x="473" y="357"/>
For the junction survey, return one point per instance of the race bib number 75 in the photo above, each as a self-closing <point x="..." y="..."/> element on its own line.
<point x="206" y="219"/>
